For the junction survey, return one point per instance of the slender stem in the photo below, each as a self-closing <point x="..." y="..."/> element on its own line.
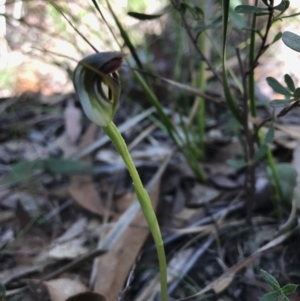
<point x="113" y="133"/>
<point x="202" y="84"/>
<point x="251" y="82"/>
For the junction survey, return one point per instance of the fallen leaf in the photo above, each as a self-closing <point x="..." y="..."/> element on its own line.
<point x="6" y="237"/>
<point x="201" y="195"/>
<point x="73" y="231"/>
<point x="70" y="249"/>
<point x="6" y="216"/>
<point x="82" y="187"/>
<point x="124" y="201"/>
<point x="224" y="182"/>
<point x="113" y="267"/>
<point x="63" y="288"/>
<point x="223" y="283"/>
<point x="83" y="190"/>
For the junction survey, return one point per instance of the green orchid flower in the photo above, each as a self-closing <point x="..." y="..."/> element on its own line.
<point x="98" y="85"/>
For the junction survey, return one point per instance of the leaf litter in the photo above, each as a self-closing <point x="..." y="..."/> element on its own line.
<point x="95" y="246"/>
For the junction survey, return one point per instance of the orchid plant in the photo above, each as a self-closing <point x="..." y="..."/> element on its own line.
<point x="98" y="87"/>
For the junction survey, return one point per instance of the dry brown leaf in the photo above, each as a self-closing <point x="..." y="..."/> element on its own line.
<point x="63" y="288"/>
<point x="201" y="195"/>
<point x="123" y="202"/>
<point x="88" y="296"/>
<point x="113" y="267"/>
<point x="223" y="283"/>
<point x="82" y="188"/>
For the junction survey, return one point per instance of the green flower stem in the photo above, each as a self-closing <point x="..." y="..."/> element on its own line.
<point x="113" y="133"/>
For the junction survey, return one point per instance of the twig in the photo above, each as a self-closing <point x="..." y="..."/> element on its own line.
<point x="282" y="113"/>
<point x="88" y="256"/>
<point x="70" y="23"/>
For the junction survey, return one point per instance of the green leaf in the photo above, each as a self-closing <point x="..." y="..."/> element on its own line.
<point x="277" y="103"/>
<point x="260" y="153"/>
<point x="24" y="171"/>
<point x="291" y="40"/>
<point x="277" y="37"/>
<point x="282" y="6"/>
<point x="283" y="298"/>
<point x="194" y="11"/>
<point x="21" y="172"/>
<point x="143" y="17"/>
<point x="59" y="166"/>
<point x="277" y="87"/>
<point x="248" y="9"/>
<point x="213" y="24"/>
<point x="269" y="296"/>
<point x="270" y="134"/>
<point x="199" y="11"/>
<point x="236" y="163"/>
<point x="271" y="280"/>
<point x="289" y="82"/>
<point x="289" y="289"/>
<point x="297" y="93"/>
